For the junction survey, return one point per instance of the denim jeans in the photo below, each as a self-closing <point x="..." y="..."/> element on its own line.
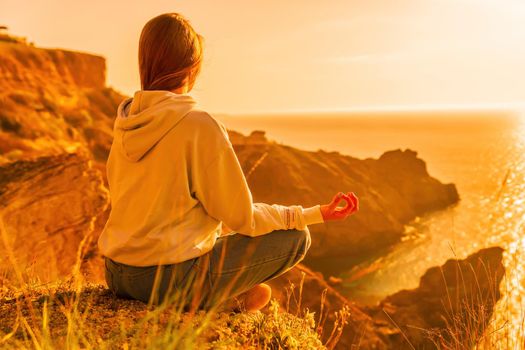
<point x="234" y="265"/>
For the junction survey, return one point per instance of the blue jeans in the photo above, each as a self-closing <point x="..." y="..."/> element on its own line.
<point x="234" y="265"/>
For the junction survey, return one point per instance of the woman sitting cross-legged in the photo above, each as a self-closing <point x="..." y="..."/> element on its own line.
<point x="176" y="186"/>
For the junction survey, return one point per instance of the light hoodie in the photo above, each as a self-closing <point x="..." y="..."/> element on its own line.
<point x="174" y="179"/>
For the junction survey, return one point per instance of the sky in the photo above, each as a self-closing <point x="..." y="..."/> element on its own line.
<point x="304" y="55"/>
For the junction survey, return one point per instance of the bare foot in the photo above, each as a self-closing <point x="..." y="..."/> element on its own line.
<point x="257" y="297"/>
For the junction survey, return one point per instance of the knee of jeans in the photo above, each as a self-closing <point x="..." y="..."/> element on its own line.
<point x="305" y="242"/>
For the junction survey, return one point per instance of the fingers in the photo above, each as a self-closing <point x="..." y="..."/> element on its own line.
<point x="352" y="204"/>
<point x="356" y="200"/>
<point x="336" y="200"/>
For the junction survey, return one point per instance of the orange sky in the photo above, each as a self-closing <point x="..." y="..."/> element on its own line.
<point x="294" y="55"/>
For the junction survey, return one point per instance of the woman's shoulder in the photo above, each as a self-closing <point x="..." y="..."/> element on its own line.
<point x="205" y="122"/>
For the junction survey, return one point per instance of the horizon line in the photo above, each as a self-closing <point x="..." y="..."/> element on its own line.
<point x="516" y="107"/>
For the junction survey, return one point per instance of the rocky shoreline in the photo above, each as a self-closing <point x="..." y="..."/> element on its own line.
<point x="451" y="297"/>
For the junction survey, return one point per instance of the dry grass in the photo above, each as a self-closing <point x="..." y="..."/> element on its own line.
<point x="470" y="321"/>
<point x="74" y="315"/>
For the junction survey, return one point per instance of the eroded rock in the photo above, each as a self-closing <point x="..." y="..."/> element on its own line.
<point x="451" y="307"/>
<point x="392" y="190"/>
<point x="48" y="206"/>
<point x="54" y="101"/>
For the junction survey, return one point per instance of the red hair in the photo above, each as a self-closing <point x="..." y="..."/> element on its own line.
<point x="170" y="53"/>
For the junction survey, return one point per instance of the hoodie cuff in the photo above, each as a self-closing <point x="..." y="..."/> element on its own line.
<point x="312" y="215"/>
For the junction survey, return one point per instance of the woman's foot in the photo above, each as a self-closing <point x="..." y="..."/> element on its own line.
<point x="256" y="298"/>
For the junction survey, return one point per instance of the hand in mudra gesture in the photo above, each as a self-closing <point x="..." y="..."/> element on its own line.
<point x="331" y="211"/>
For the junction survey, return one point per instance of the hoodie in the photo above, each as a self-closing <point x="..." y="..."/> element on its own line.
<point x="174" y="180"/>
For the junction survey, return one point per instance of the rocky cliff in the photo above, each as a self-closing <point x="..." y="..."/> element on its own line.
<point x="48" y="211"/>
<point x="56" y="117"/>
<point x="451" y="308"/>
<point x="392" y="191"/>
<point x="54" y="101"/>
<point x="31" y="68"/>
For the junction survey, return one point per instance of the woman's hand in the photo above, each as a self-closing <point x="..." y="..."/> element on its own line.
<point x="331" y="211"/>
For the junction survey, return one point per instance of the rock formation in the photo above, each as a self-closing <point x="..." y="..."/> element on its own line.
<point x="451" y="307"/>
<point x="54" y="101"/>
<point x="56" y="120"/>
<point x="316" y="292"/>
<point x="48" y="206"/>
<point x="392" y="190"/>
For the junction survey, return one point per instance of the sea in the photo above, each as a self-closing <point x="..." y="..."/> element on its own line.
<point x="481" y="151"/>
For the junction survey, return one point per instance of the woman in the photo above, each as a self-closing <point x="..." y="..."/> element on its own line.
<point x="176" y="186"/>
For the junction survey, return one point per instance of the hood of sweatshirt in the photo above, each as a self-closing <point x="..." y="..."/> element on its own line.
<point x="143" y="120"/>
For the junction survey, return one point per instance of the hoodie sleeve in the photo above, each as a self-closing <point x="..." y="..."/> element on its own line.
<point x="224" y="193"/>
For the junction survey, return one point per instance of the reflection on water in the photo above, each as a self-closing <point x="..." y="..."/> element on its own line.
<point x="508" y="225"/>
<point x="484" y="157"/>
<point x="491" y="212"/>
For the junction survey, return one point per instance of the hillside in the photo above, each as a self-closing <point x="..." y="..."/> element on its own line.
<point x="53" y="101"/>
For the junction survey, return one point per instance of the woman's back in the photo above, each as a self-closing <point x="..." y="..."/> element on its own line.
<point x="174" y="179"/>
<point x="161" y="143"/>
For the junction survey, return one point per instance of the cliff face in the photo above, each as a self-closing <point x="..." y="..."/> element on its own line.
<point x="48" y="207"/>
<point x="30" y="68"/>
<point x="451" y="308"/>
<point x="392" y="190"/>
<point x="53" y="101"/>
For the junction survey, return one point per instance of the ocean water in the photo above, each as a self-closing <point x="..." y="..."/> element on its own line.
<point x="482" y="152"/>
